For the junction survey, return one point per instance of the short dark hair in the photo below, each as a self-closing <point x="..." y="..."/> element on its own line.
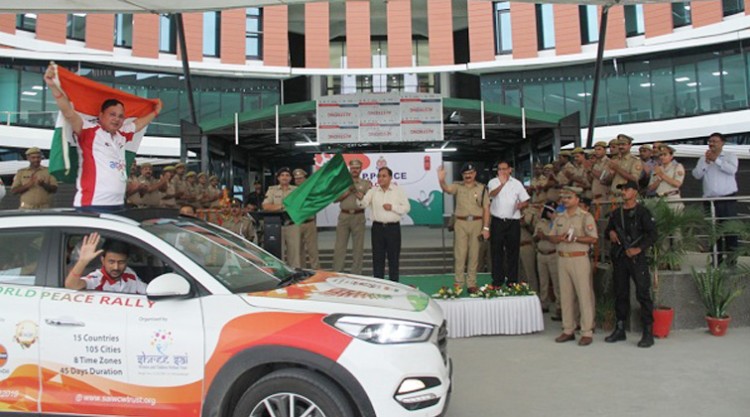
<point x="390" y="173"/>
<point x="718" y="135"/>
<point x="116" y="246"/>
<point x="497" y="165"/>
<point x="109" y="103"/>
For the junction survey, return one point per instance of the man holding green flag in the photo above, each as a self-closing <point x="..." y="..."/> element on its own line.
<point x="318" y="191"/>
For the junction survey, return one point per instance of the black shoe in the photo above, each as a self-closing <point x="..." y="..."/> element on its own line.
<point x="555" y="318"/>
<point x="648" y="338"/>
<point x="618" y="334"/>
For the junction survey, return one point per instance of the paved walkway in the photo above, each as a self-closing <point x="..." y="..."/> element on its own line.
<point x="691" y="373"/>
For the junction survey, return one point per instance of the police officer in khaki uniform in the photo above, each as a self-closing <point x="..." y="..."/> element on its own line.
<point x="238" y="222"/>
<point x="551" y="190"/>
<point x="574" y="233"/>
<point x="667" y="178"/>
<point x="34" y="184"/>
<point x="351" y="221"/>
<point x="527" y="252"/>
<point x="200" y="189"/>
<point x="308" y="230"/>
<point x="290" y="232"/>
<point x="567" y="169"/>
<point x="472" y="222"/>
<point x="581" y="168"/>
<point x="132" y="192"/>
<point x="190" y="191"/>
<point x="627" y="167"/>
<point x="600" y="173"/>
<point x="168" y="199"/>
<point x="546" y="260"/>
<point x="179" y="183"/>
<point x="150" y="187"/>
<point x="538" y="194"/>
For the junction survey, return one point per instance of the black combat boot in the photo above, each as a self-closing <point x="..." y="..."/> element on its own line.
<point x="618" y="334"/>
<point x="648" y="337"/>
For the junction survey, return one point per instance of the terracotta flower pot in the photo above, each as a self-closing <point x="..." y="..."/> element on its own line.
<point x="663" y="317"/>
<point x="718" y="326"/>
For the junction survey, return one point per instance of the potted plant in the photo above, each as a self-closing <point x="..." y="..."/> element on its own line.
<point x="717" y="286"/>
<point x="676" y="233"/>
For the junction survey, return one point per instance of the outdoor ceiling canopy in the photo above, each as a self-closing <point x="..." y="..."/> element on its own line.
<point x="176" y="6"/>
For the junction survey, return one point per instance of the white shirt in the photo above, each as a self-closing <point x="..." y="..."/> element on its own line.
<point x="129" y="283"/>
<point x="376" y="197"/>
<point x="504" y="204"/>
<point x="718" y="176"/>
<point x="102" y="177"/>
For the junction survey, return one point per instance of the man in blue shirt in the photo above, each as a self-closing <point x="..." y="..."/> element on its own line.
<point x="717" y="168"/>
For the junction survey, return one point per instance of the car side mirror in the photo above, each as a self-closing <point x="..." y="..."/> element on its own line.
<point x="169" y="285"/>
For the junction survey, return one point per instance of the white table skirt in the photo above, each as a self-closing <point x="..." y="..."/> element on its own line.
<point x="503" y="315"/>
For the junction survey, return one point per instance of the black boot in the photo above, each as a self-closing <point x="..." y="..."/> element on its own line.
<point x="618" y="334"/>
<point x="648" y="337"/>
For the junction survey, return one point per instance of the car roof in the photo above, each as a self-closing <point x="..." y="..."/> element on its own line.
<point x="134" y="215"/>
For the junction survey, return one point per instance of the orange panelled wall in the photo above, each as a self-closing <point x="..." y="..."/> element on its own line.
<point x="51" y="27"/>
<point x="8" y="23"/>
<point x="193" y="36"/>
<point x="523" y="26"/>
<point x="146" y="35"/>
<point x="100" y="31"/>
<point x="657" y="19"/>
<point x="706" y="12"/>
<point x="440" y="31"/>
<point x="481" y="31"/>
<point x="276" y="36"/>
<point x="233" y="36"/>
<point x="317" y="35"/>
<point x="616" y="36"/>
<point x="399" y="33"/>
<point x="567" y="29"/>
<point x="358" y="50"/>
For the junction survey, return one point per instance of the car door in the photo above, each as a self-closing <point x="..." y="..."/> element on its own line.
<point x="20" y="294"/>
<point x="107" y="353"/>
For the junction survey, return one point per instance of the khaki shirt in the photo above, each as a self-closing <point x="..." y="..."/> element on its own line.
<point x="527" y="224"/>
<point x="153" y="198"/>
<point x="544" y="226"/>
<point x="167" y="198"/>
<point x="350" y="202"/>
<point x="675" y="171"/>
<point x="630" y="164"/>
<point x="241" y="226"/>
<point x="179" y="188"/>
<point x="581" y="174"/>
<point x="213" y="193"/>
<point x="562" y="179"/>
<point x="538" y="195"/>
<point x="598" y="188"/>
<point x="275" y="195"/>
<point x="36" y="196"/>
<point x="469" y="200"/>
<point x="581" y="223"/>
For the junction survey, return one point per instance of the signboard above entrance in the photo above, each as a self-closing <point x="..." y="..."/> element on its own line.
<point x="376" y="117"/>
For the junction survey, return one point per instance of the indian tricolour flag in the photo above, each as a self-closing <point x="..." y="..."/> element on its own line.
<point x="87" y="97"/>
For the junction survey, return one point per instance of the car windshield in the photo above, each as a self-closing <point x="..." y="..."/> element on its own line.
<point x="238" y="264"/>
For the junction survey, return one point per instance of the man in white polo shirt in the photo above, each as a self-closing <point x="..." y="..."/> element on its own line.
<point x="114" y="275"/>
<point x="508" y="197"/>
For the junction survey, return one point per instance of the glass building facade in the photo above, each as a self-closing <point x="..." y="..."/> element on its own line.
<point x="25" y="101"/>
<point x="667" y="85"/>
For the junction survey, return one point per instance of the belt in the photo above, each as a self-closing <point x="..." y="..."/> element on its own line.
<point x="572" y="254"/>
<point x="502" y="219"/>
<point x="358" y="211"/>
<point x="469" y="218"/>
<point x="546" y="252"/>
<point x="386" y="224"/>
<point x="310" y="220"/>
<point x="669" y="193"/>
<point x="525" y="243"/>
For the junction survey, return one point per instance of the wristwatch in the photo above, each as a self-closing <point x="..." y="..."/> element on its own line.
<point x="487" y="228"/>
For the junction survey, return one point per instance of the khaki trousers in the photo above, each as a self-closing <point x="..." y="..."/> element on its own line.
<point x="466" y="251"/>
<point x="527" y="254"/>
<point x="290" y="240"/>
<point x="575" y="282"/>
<point x="354" y="225"/>
<point x="309" y="245"/>
<point x="547" y="268"/>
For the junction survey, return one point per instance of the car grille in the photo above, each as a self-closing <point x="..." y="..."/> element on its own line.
<point x="442" y="342"/>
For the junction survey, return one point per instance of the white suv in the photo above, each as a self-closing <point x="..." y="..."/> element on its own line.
<point x="225" y="330"/>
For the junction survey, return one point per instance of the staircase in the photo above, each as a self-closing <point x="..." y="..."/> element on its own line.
<point x="413" y="261"/>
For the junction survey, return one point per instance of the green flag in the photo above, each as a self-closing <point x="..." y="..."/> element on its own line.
<point x="318" y="191"/>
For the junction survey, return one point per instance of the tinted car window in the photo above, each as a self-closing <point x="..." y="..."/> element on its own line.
<point x="19" y="256"/>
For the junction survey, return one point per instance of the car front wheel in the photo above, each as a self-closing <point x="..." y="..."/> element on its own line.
<point x="293" y="393"/>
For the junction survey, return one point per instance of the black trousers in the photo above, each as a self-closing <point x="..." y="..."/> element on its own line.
<point x="386" y="241"/>
<point x="625" y="269"/>
<point x="728" y="208"/>
<point x="505" y="243"/>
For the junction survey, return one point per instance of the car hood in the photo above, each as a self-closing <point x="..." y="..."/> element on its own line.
<point x="334" y="291"/>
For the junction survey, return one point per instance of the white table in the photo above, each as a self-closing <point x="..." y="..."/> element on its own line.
<point x="503" y="315"/>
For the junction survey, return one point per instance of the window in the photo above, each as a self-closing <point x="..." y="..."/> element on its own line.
<point x="589" y="24"/>
<point x="124" y="30"/>
<point x="503" y="34"/>
<point x="254" y="33"/>
<point x="26" y="21"/>
<point x="681" y="14"/>
<point x="733" y="7"/>
<point x="211" y="33"/>
<point x="634" y="25"/>
<point x="545" y="27"/>
<point x="18" y="262"/>
<point x="76" y="27"/>
<point x="167" y="34"/>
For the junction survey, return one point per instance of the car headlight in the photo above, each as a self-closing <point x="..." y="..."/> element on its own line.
<point x="381" y="330"/>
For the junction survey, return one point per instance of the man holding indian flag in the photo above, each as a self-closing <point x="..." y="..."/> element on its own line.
<point x="105" y="145"/>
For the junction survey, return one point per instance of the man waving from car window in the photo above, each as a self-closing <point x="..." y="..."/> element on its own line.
<point x="114" y="275"/>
